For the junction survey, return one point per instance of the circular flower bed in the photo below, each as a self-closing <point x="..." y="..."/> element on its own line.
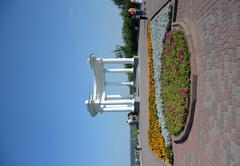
<point x="175" y="75"/>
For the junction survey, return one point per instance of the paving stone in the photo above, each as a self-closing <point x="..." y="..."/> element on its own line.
<point x="219" y="86"/>
<point x="227" y="158"/>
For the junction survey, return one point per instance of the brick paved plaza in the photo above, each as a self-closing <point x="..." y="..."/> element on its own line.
<point x="214" y="29"/>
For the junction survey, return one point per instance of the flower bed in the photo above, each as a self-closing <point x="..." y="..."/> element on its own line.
<point x="160" y="24"/>
<point x="155" y="138"/>
<point x="175" y="81"/>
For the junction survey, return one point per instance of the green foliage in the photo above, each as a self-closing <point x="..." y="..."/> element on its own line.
<point x="169" y="154"/>
<point x="118" y="3"/>
<point x="120" y="51"/>
<point x="129" y="35"/>
<point x="175" y="81"/>
<point x="130" y="76"/>
<point x="132" y="89"/>
<point x="134" y="132"/>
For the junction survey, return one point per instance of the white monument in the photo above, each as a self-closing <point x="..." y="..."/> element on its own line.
<point x="99" y="101"/>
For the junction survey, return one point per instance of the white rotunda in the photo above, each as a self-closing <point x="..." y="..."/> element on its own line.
<point x="99" y="101"/>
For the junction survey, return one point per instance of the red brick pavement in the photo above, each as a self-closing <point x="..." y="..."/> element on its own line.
<point x="215" y="135"/>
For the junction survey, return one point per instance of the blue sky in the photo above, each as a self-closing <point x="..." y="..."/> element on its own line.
<point x="44" y="46"/>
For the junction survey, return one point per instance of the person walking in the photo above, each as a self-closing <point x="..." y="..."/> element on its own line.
<point x="132" y="119"/>
<point x="138" y="17"/>
<point x="137" y="1"/>
<point x="135" y="11"/>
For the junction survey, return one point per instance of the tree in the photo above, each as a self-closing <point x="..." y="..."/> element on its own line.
<point x="119" y="3"/>
<point x="120" y="51"/>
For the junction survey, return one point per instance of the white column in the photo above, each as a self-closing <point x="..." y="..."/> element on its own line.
<point x="118" y="61"/>
<point x="115" y="106"/>
<point x="127" y="83"/>
<point x="112" y="97"/>
<point x="117" y="102"/>
<point x="124" y="70"/>
<point x="119" y="109"/>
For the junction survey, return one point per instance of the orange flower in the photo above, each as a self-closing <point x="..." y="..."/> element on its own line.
<point x="155" y="138"/>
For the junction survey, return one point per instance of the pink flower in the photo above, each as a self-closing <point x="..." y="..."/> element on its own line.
<point x="180" y="54"/>
<point x="174" y="45"/>
<point x="166" y="35"/>
<point x="182" y="97"/>
<point x="183" y="90"/>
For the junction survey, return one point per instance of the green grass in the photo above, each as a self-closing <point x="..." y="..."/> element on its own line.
<point x="175" y="81"/>
<point x="134" y="132"/>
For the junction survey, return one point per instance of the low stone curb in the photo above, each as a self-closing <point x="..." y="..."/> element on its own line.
<point x="183" y="136"/>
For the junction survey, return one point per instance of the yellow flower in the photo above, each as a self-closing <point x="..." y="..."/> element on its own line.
<point x="156" y="141"/>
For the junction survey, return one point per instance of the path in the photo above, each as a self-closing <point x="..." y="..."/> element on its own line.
<point x="215" y="135"/>
<point x="148" y="158"/>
